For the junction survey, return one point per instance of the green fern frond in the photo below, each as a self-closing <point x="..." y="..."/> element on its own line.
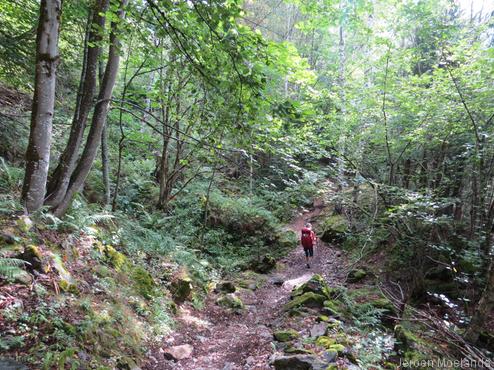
<point x="10" y="267"/>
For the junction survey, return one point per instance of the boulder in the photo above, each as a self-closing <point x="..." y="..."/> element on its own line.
<point x="333" y="229"/>
<point x="24" y="278"/>
<point x="316" y="285"/>
<point x="318" y="330"/>
<point x="266" y="264"/>
<point x="356" y="275"/>
<point x="285" y="335"/>
<point x="225" y="287"/>
<point x="181" y="288"/>
<point x="230" y="301"/>
<point x="127" y="363"/>
<point x="177" y="353"/>
<point x="309" y="299"/>
<point x="32" y="255"/>
<point x="298" y="362"/>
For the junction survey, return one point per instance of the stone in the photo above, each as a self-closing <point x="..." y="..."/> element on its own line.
<point x="316" y="284"/>
<point x="330" y="356"/>
<point x="295" y="350"/>
<point x="285" y="335"/>
<point x="230" y="301"/>
<point x="266" y="264"/>
<point x="356" y="275"/>
<point x="225" y="287"/>
<point x="298" y="362"/>
<point x="127" y="363"/>
<point x="333" y="229"/>
<point x="23" y="277"/>
<point x="277" y="280"/>
<point x="308" y="299"/>
<point x="6" y="364"/>
<point x="181" y="288"/>
<point x="177" y="353"/>
<point x="318" y="330"/>
<point x="32" y="255"/>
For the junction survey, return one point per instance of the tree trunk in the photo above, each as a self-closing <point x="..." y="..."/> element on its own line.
<point x="98" y="121"/>
<point x="105" y="158"/>
<point x="38" y="151"/>
<point x="483" y="309"/>
<point x="60" y="178"/>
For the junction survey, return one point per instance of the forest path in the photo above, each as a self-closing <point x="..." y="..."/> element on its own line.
<point x="222" y="340"/>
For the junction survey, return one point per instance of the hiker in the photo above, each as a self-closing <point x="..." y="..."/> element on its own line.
<point x="308" y="241"/>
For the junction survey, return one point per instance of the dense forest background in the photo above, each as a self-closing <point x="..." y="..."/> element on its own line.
<point x="150" y="148"/>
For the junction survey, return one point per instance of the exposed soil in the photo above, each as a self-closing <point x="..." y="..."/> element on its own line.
<point x="227" y="340"/>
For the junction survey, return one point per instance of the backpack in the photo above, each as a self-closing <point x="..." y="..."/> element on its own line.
<point x="307" y="239"/>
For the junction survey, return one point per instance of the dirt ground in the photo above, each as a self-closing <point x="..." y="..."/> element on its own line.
<point x="232" y="341"/>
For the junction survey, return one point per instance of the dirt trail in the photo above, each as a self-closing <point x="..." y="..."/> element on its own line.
<point x="229" y="341"/>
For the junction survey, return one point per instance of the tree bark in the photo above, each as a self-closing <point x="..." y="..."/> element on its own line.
<point x="60" y="178"/>
<point x="483" y="309"/>
<point x="38" y="151"/>
<point x="105" y="157"/>
<point x="98" y="121"/>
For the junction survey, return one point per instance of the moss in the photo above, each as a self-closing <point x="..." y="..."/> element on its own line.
<point x="323" y="318"/>
<point x="333" y="307"/>
<point x="298" y="351"/>
<point x="181" y="288"/>
<point x="325" y="342"/>
<point x="230" y="301"/>
<point x="333" y="228"/>
<point x="356" y="275"/>
<point x="336" y="348"/>
<point x="118" y="260"/>
<point x="316" y="285"/>
<point x="309" y="299"/>
<point x="285" y="335"/>
<point x="143" y="282"/>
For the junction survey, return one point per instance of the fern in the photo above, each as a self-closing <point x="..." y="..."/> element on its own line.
<point x="10" y="267"/>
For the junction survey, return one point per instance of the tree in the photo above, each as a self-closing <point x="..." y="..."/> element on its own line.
<point x="38" y="151"/>
<point x="60" y="178"/>
<point x="99" y="117"/>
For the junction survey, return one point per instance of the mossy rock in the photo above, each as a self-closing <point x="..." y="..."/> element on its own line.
<point x="333" y="308"/>
<point x="286" y="240"/>
<point x="32" y="254"/>
<point x="406" y="340"/>
<point x="117" y="259"/>
<point x="339" y="348"/>
<point x="265" y="265"/>
<point x="300" y="351"/>
<point x="285" y="335"/>
<point x="225" y="287"/>
<point x="230" y="301"/>
<point x="67" y="283"/>
<point x="356" y="275"/>
<point x="316" y="285"/>
<point x="325" y="341"/>
<point x="309" y="299"/>
<point x="143" y="282"/>
<point x="181" y="288"/>
<point x="333" y="229"/>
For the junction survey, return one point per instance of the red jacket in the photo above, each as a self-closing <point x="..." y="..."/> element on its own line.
<point x="308" y="238"/>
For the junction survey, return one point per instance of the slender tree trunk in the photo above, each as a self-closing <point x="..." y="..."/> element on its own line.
<point x="38" y="151"/>
<point x="99" y="118"/>
<point x="105" y="159"/>
<point x="60" y="178"/>
<point x="483" y="310"/>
